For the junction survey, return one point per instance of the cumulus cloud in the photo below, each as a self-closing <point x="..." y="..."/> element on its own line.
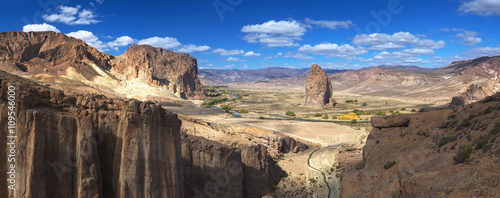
<point x="481" y="7"/>
<point x="165" y="42"/>
<point x="469" y="38"/>
<point x="72" y="16"/>
<point x="329" y="50"/>
<point x="224" y="52"/>
<point x="233" y="59"/>
<point x="189" y="48"/>
<point x="482" y="51"/>
<point x="274" y="33"/>
<point x="120" y="42"/>
<point x="251" y="53"/>
<point x="298" y="56"/>
<point x="90" y="39"/>
<point x="398" y="40"/>
<point x="39" y="28"/>
<point x="330" y="24"/>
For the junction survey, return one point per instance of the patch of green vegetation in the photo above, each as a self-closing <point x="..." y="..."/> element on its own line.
<point x="421" y="110"/>
<point x="389" y="164"/>
<point x="349" y="101"/>
<point x="495" y="130"/>
<point x="325" y="116"/>
<point x="290" y="113"/>
<point x="357" y="111"/>
<point x="364" y="104"/>
<point x="334" y="117"/>
<point x="226" y="108"/>
<point x="488" y="110"/>
<point x="312" y="180"/>
<point x="463" y="155"/>
<point x="243" y="111"/>
<point x="403" y="109"/>
<point x="413" y="110"/>
<point x="354" y="122"/>
<point x="262" y="117"/>
<point x="443" y="141"/>
<point x="482" y="143"/>
<point x="215" y="101"/>
<point x="395" y="113"/>
<point x="380" y="113"/>
<point x="317" y="115"/>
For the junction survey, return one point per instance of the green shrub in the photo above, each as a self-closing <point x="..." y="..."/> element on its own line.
<point x="355" y="100"/>
<point x="380" y="113"/>
<point x="354" y="121"/>
<point x="334" y="117"/>
<point x="317" y="115"/>
<point x="443" y="141"/>
<point x="348" y="101"/>
<point x="325" y="116"/>
<point x="404" y="108"/>
<point x="290" y="113"/>
<point x="463" y="155"/>
<point x="421" y="110"/>
<point x="413" y="110"/>
<point x="261" y="117"/>
<point x="488" y="110"/>
<point x="389" y="164"/>
<point x="243" y="111"/>
<point x="482" y="143"/>
<point x="364" y="104"/>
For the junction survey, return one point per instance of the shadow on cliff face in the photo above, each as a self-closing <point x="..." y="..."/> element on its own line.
<point x="212" y="169"/>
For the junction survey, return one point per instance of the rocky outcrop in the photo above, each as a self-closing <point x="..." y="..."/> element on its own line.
<point x="389" y="122"/>
<point x="88" y="145"/>
<point x="50" y="53"/>
<point x="445" y="153"/>
<point x="318" y="88"/>
<point x="474" y="93"/>
<point x="178" y="72"/>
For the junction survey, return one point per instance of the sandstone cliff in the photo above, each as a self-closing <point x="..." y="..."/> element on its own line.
<point x="178" y="72"/>
<point x="474" y="93"/>
<point x="89" y="145"/>
<point x="318" y="88"/>
<point x="445" y="153"/>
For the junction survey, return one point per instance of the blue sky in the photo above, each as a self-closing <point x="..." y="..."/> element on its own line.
<point x="252" y="34"/>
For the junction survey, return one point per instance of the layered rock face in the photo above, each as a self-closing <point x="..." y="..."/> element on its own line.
<point x="49" y="52"/>
<point x="445" y="153"/>
<point x="178" y="72"/>
<point x="318" y="88"/>
<point x="89" y="145"/>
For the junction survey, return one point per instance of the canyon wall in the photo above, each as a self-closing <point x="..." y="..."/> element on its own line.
<point x="88" y="145"/>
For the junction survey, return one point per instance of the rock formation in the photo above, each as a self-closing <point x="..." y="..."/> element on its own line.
<point x="445" y="153"/>
<point x="50" y="53"/>
<point x="474" y="93"/>
<point x="178" y="72"/>
<point x="59" y="55"/>
<point x="88" y="145"/>
<point x="318" y="88"/>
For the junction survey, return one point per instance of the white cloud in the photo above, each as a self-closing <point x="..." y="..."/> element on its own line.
<point x="100" y="1"/>
<point x="90" y="39"/>
<point x="469" y="38"/>
<point x="345" y="51"/>
<point x="120" y="42"/>
<point x="388" y="45"/>
<point x="430" y="44"/>
<point x="165" y="42"/>
<point x="418" y="52"/>
<point x="298" y="56"/>
<point x="398" y="40"/>
<point x="233" y="59"/>
<point x="279" y="54"/>
<point x="274" y="33"/>
<point x="481" y="7"/>
<point x="224" y="52"/>
<point x="330" y="24"/>
<point x="251" y="53"/>
<point x="482" y="51"/>
<point x="72" y="16"/>
<point x="39" y="28"/>
<point x="193" y="48"/>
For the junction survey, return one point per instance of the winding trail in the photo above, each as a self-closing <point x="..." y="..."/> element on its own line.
<point x="324" y="176"/>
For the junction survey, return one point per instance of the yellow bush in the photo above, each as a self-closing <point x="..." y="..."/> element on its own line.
<point x="350" y="116"/>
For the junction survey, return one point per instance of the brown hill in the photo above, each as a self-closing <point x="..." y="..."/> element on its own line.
<point x="69" y="63"/>
<point x="445" y="153"/>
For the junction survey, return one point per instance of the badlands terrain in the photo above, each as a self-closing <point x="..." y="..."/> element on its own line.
<point x="149" y="124"/>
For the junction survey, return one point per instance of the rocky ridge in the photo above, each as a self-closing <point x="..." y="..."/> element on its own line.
<point x="445" y="153"/>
